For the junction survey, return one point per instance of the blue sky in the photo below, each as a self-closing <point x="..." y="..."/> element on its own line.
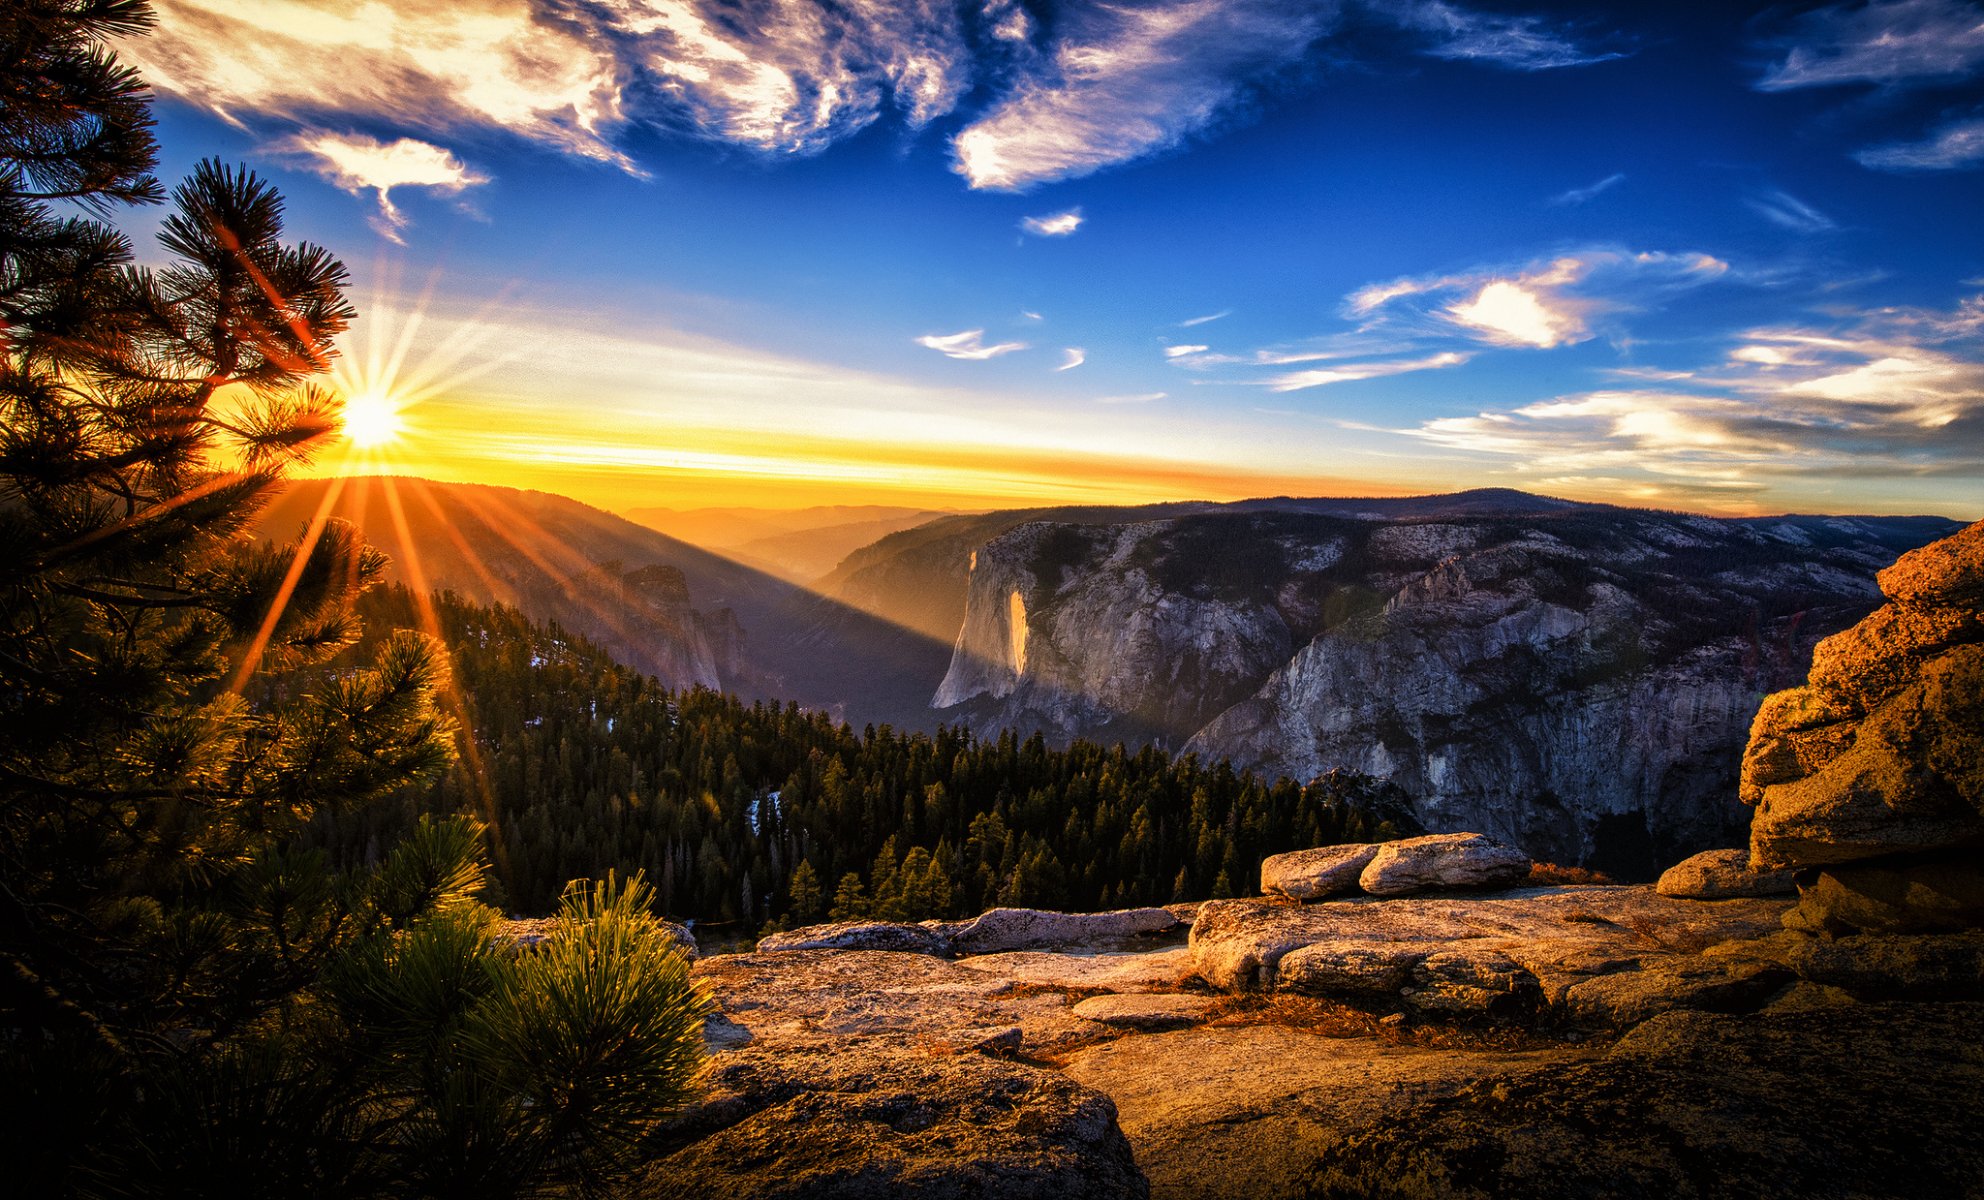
<point x="992" y="252"/>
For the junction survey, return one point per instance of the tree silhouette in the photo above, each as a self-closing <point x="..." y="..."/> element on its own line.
<point x="198" y="1004"/>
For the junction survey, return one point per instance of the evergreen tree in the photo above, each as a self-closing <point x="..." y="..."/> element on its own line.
<point x="198" y="1004"/>
<point x="803" y="891"/>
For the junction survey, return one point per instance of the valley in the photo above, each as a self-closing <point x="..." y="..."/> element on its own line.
<point x="1575" y="678"/>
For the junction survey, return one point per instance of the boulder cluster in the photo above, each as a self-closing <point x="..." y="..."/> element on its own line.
<point x="1439" y="862"/>
<point x="1869" y="780"/>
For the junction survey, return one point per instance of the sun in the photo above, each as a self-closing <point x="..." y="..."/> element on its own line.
<point x="371" y="419"/>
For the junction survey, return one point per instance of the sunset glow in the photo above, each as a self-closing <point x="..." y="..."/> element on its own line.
<point x="721" y="254"/>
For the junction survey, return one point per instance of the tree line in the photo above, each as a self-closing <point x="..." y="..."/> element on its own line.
<point x="760" y="814"/>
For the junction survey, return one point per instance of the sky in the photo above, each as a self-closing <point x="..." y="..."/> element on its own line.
<point x="994" y="253"/>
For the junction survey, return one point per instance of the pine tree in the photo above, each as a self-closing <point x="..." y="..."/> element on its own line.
<point x="197" y="1003"/>
<point x="803" y="889"/>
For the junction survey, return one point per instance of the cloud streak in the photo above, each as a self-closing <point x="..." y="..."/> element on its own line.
<point x="1585" y="195"/>
<point x="1897" y="43"/>
<point x="1513" y="43"/>
<point x="1787" y="211"/>
<point x="1072" y="357"/>
<point x="1296" y="381"/>
<point x="1060" y="224"/>
<point x="969" y="345"/>
<point x="1954" y="147"/>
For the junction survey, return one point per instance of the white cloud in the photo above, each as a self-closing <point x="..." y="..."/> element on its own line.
<point x="358" y="163"/>
<point x="1900" y="395"/>
<point x="1516" y="43"/>
<point x="969" y="344"/>
<point x="1510" y="314"/>
<point x="423" y="64"/>
<point x="1189" y="322"/>
<point x="1059" y="224"/>
<point x="1104" y="83"/>
<point x="1298" y="380"/>
<point x="1891" y="43"/>
<point x="1072" y="357"/>
<point x="1184" y="351"/>
<point x="1953" y="147"/>
<point x="1588" y="193"/>
<point x="1789" y="212"/>
<point x="1145" y="398"/>
<point x="1127" y="81"/>
<point x="1541" y="304"/>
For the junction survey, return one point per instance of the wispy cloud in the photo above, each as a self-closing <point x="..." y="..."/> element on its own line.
<point x="970" y="344"/>
<point x="1124" y="82"/>
<point x="1899" y="395"/>
<point x="430" y="64"/>
<point x="1516" y="43"/>
<point x="1144" y="398"/>
<point x="1296" y="381"/>
<point x="1539" y="305"/>
<point x="1059" y="224"/>
<point x="1208" y="319"/>
<point x="1072" y="357"/>
<point x="1588" y="193"/>
<point x="358" y="163"/>
<point x="1101" y="84"/>
<point x="1953" y="147"/>
<point x="1184" y="351"/>
<point x="1787" y="211"/>
<point x="1895" y="43"/>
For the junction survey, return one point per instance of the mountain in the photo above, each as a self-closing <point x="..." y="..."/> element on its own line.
<point x="799" y="544"/>
<point x="678" y="611"/>
<point x="1577" y="679"/>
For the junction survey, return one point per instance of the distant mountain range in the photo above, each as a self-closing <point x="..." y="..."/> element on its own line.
<point x="799" y="544"/>
<point x="1577" y="678"/>
<point x="681" y="612"/>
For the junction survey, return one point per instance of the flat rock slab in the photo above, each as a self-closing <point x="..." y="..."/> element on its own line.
<point x="1219" y="1111"/>
<point x="1440" y="862"/>
<point x="1148" y="971"/>
<point x="858" y="935"/>
<point x="1147" y="1011"/>
<point x="1318" y="873"/>
<point x="1829" y="1101"/>
<point x="1722" y="875"/>
<point x="1004" y="929"/>
<point x="872" y="1118"/>
<point x="1462" y="955"/>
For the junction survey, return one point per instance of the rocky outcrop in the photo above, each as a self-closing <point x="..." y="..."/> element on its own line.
<point x="1829" y="1101"/>
<point x="1572" y="680"/>
<point x="1600" y="956"/>
<point x="1440" y="862"/>
<point x="858" y="935"/>
<point x="872" y="1120"/>
<point x="1318" y="873"/>
<point x="1873" y="773"/>
<point x="1721" y="875"/>
<point x="1005" y="929"/>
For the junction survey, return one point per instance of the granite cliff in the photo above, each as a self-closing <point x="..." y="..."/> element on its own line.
<point x="1575" y="679"/>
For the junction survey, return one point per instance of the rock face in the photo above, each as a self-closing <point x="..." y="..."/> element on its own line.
<point x="1722" y="875"/>
<point x="1442" y="861"/>
<point x="1596" y="956"/>
<point x="1574" y="680"/>
<point x="1874" y="771"/>
<point x="1831" y="1101"/>
<point x="1314" y="874"/>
